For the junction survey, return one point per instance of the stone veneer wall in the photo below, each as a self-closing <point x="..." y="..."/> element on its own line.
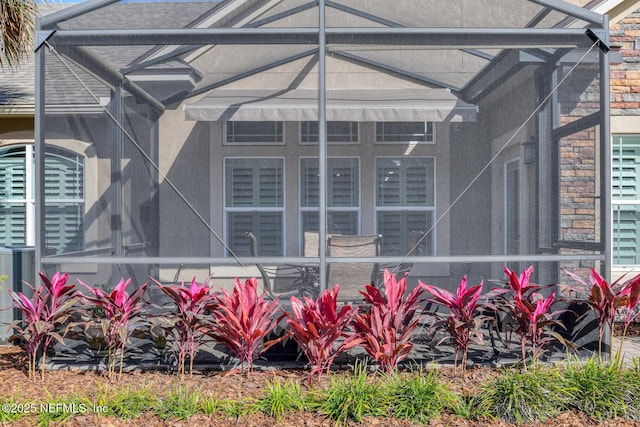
<point x="625" y="76"/>
<point x="579" y="180"/>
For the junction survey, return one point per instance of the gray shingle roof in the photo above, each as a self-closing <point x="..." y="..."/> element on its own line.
<point x="17" y="84"/>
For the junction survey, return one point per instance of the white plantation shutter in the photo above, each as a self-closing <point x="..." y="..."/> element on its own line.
<point x="343" y="194"/>
<point x="13" y="179"/>
<point x="64" y="202"/>
<point x="13" y="193"/>
<point x="626" y="168"/>
<point x="405" y="198"/>
<point x="64" y="199"/>
<point x="13" y="223"/>
<point x="626" y="239"/>
<point x="626" y="199"/>
<point x="254" y="201"/>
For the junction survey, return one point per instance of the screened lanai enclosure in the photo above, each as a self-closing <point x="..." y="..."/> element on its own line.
<point x="309" y="143"/>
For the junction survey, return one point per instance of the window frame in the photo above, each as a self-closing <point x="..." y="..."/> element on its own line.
<point x="329" y="141"/>
<point x="432" y="141"/>
<point x="618" y="202"/>
<point x="303" y="209"/>
<point x="254" y="208"/>
<point x="226" y="141"/>
<point x="427" y="209"/>
<point x="28" y="202"/>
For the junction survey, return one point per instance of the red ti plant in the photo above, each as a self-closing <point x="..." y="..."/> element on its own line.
<point x="531" y="313"/>
<point x="120" y="310"/>
<point x="316" y="325"/>
<point x="243" y="319"/>
<point x="466" y="315"/>
<point x="632" y="290"/>
<point x="387" y="328"/>
<point x="605" y="299"/>
<point x="186" y="321"/>
<point x="42" y="315"/>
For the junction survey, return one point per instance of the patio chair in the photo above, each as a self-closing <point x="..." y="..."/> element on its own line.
<point x="281" y="281"/>
<point x="352" y="276"/>
<point x="311" y="244"/>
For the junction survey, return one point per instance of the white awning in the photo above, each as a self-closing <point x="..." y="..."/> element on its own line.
<point x="358" y="105"/>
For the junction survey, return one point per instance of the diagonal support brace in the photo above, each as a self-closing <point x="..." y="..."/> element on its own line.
<point x="41" y="37"/>
<point x="601" y="37"/>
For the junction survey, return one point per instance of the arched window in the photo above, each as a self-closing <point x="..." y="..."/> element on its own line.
<point x="64" y="197"/>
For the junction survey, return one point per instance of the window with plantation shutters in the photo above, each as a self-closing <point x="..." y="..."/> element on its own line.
<point x="64" y="203"/>
<point x="64" y="199"/>
<point x="405" y="204"/>
<point x="13" y="196"/>
<point x="626" y="199"/>
<point x="343" y="194"/>
<point x="254" y="201"/>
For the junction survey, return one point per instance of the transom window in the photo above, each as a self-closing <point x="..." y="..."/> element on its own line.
<point x="626" y="199"/>
<point x="254" y="132"/>
<point x="405" y="204"/>
<point x="343" y="194"/>
<point x="254" y="201"/>
<point x="404" y="132"/>
<point x="337" y="132"/>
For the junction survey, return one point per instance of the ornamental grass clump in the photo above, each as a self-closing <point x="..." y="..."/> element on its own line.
<point x="603" y="389"/>
<point x="387" y="326"/>
<point x="187" y="320"/>
<point x="120" y="311"/>
<point x="279" y="398"/>
<point x="180" y="403"/>
<point x="242" y="319"/>
<point x="526" y="397"/>
<point x="128" y="402"/>
<point x="317" y="326"/>
<point x="43" y="315"/>
<point x="418" y="395"/>
<point x="352" y="397"/>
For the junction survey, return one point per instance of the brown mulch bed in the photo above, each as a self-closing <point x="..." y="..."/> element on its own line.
<point x="15" y="385"/>
<point x="633" y="331"/>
